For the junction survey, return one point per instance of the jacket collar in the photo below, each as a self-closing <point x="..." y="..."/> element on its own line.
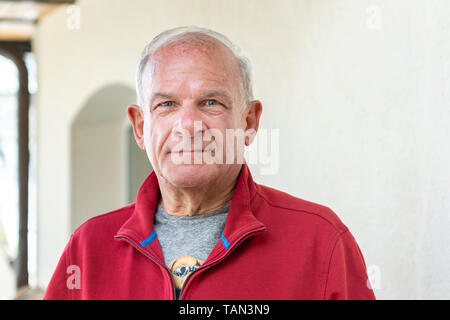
<point x="240" y="219"/>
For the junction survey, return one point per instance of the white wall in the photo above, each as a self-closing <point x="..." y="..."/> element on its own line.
<point x="358" y="90"/>
<point x="93" y="145"/>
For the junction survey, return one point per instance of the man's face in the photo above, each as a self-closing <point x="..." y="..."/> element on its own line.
<point x="190" y="89"/>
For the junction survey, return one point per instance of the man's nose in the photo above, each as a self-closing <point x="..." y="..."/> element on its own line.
<point x="189" y="121"/>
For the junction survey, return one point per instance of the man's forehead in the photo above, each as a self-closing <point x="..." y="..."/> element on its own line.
<point x="195" y="42"/>
<point x="204" y="51"/>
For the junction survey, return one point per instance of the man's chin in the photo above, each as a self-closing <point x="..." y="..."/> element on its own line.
<point x="190" y="175"/>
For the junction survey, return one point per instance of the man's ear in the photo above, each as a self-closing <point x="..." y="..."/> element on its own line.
<point x="136" y="116"/>
<point x="254" y="110"/>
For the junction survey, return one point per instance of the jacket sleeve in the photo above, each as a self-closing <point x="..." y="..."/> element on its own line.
<point x="57" y="288"/>
<point x="347" y="275"/>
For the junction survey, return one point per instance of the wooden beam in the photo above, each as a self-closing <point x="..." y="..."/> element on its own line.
<point x="16" y="32"/>
<point x="43" y="1"/>
<point x="22" y="46"/>
<point x="18" y="20"/>
<point x="27" y="11"/>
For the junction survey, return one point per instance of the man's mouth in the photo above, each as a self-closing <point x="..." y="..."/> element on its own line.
<point x="191" y="150"/>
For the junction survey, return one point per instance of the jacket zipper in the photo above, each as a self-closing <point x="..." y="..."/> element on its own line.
<point x="133" y="243"/>
<point x="203" y="267"/>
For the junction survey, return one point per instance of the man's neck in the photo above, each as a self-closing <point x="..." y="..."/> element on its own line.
<point x="189" y="201"/>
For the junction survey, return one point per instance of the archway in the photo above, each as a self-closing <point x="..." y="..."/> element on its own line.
<point x="106" y="165"/>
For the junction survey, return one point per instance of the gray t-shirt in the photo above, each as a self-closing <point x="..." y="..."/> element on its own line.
<point x="187" y="241"/>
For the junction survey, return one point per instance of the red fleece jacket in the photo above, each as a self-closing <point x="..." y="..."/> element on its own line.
<point x="274" y="246"/>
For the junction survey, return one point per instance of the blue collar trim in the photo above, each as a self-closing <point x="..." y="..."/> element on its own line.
<point x="225" y="242"/>
<point x="149" y="240"/>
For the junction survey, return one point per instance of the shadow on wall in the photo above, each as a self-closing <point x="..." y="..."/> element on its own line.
<point x="107" y="166"/>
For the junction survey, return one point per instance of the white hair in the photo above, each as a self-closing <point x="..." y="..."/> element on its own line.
<point x="186" y="33"/>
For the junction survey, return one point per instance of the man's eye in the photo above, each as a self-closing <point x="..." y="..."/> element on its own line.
<point x="211" y="102"/>
<point x="167" y="104"/>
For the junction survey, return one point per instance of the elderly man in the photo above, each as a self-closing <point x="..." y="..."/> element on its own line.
<point x="201" y="228"/>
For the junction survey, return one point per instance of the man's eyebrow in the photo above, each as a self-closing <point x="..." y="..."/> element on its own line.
<point x="160" y="95"/>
